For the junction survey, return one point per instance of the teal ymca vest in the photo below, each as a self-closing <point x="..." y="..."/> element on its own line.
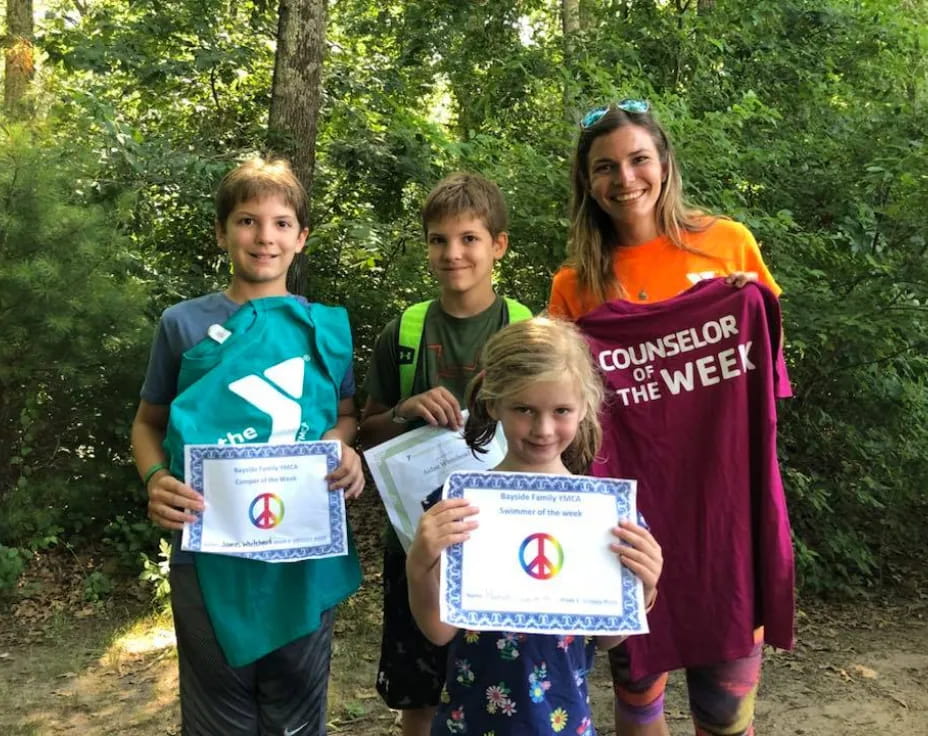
<point x="274" y="378"/>
<point x="412" y="326"/>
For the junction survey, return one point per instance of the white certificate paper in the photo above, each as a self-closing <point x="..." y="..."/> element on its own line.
<point x="540" y="560"/>
<point x="408" y="468"/>
<point x="266" y="502"/>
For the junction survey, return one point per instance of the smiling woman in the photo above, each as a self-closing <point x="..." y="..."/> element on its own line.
<point x="633" y="237"/>
<point x="626" y="174"/>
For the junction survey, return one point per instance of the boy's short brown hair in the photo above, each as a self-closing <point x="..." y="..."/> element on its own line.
<point x="257" y="178"/>
<point x="466" y="193"/>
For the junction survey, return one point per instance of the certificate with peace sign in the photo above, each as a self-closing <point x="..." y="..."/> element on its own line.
<point x="266" y="502"/>
<point x="540" y="560"/>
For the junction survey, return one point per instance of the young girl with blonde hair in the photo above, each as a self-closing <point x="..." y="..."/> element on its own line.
<point x="541" y="388"/>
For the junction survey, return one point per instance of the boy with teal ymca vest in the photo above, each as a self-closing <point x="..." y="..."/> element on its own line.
<point x="250" y="364"/>
<point x="421" y="366"/>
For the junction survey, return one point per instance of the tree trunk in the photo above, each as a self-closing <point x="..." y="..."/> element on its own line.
<point x="570" y="24"/>
<point x="296" y="95"/>
<point x="20" y="56"/>
<point x="570" y="16"/>
<point x="586" y="15"/>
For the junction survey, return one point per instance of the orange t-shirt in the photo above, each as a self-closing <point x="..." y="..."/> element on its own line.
<point x="657" y="269"/>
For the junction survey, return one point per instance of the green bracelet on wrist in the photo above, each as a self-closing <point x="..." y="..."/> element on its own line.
<point x="151" y="472"/>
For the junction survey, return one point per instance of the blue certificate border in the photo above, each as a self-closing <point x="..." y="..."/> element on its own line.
<point x="629" y="620"/>
<point x="337" y="521"/>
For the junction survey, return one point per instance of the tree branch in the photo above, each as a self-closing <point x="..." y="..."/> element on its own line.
<point x="215" y="93"/>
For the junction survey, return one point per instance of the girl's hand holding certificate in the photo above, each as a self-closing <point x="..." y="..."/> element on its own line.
<point x="453" y="520"/>
<point x="447" y="522"/>
<point x="641" y="554"/>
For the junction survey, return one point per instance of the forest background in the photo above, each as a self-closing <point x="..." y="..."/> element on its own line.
<point x="806" y="121"/>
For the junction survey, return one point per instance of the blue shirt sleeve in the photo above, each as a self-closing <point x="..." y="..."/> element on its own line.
<point x="160" y="385"/>
<point x="348" y="387"/>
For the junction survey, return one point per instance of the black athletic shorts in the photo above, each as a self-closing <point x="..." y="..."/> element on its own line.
<point x="411" y="674"/>
<point x="284" y="692"/>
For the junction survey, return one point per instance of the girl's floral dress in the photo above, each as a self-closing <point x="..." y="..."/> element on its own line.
<point x="521" y="684"/>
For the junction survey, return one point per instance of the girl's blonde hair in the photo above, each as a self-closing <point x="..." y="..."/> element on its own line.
<point x="539" y="349"/>
<point x="593" y="237"/>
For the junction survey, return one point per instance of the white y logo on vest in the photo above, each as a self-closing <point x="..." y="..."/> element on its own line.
<point x="276" y="395"/>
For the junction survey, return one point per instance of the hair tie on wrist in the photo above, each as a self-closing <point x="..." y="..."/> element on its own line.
<point x="151" y="471"/>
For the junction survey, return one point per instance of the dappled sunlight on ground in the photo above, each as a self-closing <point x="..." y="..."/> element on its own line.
<point x="142" y="638"/>
<point x="76" y="666"/>
<point x="129" y="688"/>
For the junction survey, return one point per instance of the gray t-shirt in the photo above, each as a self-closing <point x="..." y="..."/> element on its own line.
<point x="182" y="326"/>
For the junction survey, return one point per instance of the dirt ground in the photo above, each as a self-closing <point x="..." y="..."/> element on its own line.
<point x="68" y="666"/>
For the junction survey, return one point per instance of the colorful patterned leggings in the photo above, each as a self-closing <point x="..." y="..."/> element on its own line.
<point x="721" y="696"/>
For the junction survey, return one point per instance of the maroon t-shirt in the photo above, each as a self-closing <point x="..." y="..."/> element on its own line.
<point x="691" y="415"/>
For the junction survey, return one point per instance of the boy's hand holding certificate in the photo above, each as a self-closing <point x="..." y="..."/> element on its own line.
<point x="540" y="559"/>
<point x="266" y="501"/>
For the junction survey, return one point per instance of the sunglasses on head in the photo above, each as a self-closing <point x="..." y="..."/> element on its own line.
<point x="627" y="105"/>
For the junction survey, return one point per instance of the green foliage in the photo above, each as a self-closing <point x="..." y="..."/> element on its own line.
<point x="129" y="539"/>
<point x="12" y="564"/>
<point x="71" y="317"/>
<point x="156" y="573"/>
<point x="854" y="439"/>
<point x="98" y="587"/>
<point x="805" y="121"/>
<point x="171" y="68"/>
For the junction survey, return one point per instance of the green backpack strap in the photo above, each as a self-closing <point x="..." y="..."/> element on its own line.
<point x="412" y="325"/>
<point x="518" y="312"/>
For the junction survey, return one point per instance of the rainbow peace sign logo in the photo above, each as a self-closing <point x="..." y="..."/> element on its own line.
<point x="266" y="511"/>
<point x="541" y="556"/>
